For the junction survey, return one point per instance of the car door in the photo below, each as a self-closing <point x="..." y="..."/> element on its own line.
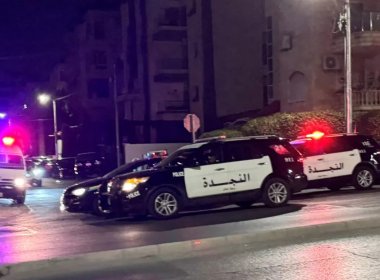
<point x="247" y="166"/>
<point x="315" y="160"/>
<point x="340" y="157"/>
<point x="209" y="176"/>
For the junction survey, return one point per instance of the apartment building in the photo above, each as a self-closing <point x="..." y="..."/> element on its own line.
<point x="304" y="54"/>
<point x="225" y="59"/>
<point x="154" y="93"/>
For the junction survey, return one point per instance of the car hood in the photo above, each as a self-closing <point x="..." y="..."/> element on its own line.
<point x="86" y="184"/>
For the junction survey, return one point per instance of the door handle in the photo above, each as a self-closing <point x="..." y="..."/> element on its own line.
<point x="261" y="163"/>
<point x="320" y="159"/>
<point x="352" y="155"/>
<point x="219" y="169"/>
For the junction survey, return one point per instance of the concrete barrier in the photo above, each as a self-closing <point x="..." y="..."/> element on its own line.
<point x="85" y="262"/>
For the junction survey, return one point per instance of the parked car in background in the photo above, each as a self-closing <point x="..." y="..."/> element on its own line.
<point x="83" y="196"/>
<point x="63" y="168"/>
<point x="88" y="165"/>
<point x="335" y="161"/>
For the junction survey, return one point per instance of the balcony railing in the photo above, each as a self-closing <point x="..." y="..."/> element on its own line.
<point x="366" y="99"/>
<point x="362" y="22"/>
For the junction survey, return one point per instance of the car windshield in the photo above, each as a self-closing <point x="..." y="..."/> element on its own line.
<point x="122" y="169"/>
<point x="179" y="158"/>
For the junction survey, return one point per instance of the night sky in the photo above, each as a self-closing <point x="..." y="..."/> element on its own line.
<point x="32" y="33"/>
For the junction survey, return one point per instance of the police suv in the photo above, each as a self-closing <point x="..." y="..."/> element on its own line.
<point x="339" y="160"/>
<point x="212" y="173"/>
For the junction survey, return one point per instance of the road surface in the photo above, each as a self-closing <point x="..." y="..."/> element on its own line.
<point x="39" y="230"/>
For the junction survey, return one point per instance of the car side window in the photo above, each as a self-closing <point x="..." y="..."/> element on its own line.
<point x="336" y="145"/>
<point x="240" y="150"/>
<point x="141" y="167"/>
<point x="211" y="155"/>
<point x="311" y="148"/>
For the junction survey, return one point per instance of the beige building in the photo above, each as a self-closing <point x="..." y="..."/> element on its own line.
<point x="304" y="65"/>
<point x="154" y="91"/>
<point x="224" y="46"/>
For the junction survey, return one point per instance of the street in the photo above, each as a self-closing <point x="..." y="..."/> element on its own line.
<point x="349" y="257"/>
<point x="39" y="230"/>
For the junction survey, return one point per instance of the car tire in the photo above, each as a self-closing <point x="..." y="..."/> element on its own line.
<point x="244" y="205"/>
<point x="334" y="188"/>
<point x="97" y="209"/>
<point x="276" y="193"/>
<point x="364" y="178"/>
<point x="20" y="200"/>
<point x="164" y="204"/>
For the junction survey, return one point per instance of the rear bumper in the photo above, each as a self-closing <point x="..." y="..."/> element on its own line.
<point x="298" y="182"/>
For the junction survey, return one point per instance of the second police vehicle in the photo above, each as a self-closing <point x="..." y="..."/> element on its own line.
<point x="339" y="160"/>
<point x="212" y="173"/>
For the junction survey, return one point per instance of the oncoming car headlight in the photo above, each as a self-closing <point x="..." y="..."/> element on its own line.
<point x="132" y="183"/>
<point x="20" y="183"/>
<point x="79" y="192"/>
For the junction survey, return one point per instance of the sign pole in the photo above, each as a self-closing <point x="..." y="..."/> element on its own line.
<point x="192" y="130"/>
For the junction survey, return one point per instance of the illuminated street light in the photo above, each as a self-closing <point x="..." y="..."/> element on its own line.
<point x="3" y="115"/>
<point x="44" y="99"/>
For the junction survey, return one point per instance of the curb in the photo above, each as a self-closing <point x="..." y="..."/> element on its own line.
<point x="97" y="260"/>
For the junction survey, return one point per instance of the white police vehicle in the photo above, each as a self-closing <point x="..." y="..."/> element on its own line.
<point x="339" y="160"/>
<point x="210" y="174"/>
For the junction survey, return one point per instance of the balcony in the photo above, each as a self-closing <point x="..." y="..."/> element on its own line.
<point x="365" y="100"/>
<point x="365" y="35"/>
<point x="171" y="25"/>
<point x="173" y="106"/>
<point x="171" y="70"/>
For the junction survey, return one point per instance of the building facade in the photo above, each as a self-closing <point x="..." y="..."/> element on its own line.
<point x="224" y="46"/>
<point x="153" y="97"/>
<point x="304" y="54"/>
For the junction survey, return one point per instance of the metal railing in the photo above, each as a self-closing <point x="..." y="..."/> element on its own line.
<point x="363" y="22"/>
<point x="366" y="99"/>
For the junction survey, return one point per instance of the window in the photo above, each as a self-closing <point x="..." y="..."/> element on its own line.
<point x="267" y="57"/>
<point x="210" y="155"/>
<point x="335" y="145"/>
<point x="298" y="87"/>
<point x="99" y="59"/>
<point x="99" y="30"/>
<point x="310" y="148"/>
<point x="242" y="150"/>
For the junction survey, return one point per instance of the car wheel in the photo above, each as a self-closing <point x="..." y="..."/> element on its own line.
<point x="164" y="204"/>
<point x="20" y="200"/>
<point x="99" y="210"/>
<point x="276" y="192"/>
<point x="334" y="188"/>
<point x="364" y="178"/>
<point x="244" y="205"/>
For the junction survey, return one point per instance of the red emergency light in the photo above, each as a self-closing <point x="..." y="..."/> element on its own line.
<point x="8" y="141"/>
<point x="316" y="135"/>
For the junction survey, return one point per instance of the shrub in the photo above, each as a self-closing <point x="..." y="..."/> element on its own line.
<point x="222" y="132"/>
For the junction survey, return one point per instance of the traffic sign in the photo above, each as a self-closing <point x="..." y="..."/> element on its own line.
<point x="192" y="123"/>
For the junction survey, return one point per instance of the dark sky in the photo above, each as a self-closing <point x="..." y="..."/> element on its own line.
<point x="32" y="31"/>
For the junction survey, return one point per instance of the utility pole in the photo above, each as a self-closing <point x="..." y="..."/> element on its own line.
<point x="348" y="88"/>
<point x="117" y="132"/>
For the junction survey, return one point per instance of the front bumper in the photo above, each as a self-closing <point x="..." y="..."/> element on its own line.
<point x="121" y="204"/>
<point x="11" y="192"/>
<point x="74" y="204"/>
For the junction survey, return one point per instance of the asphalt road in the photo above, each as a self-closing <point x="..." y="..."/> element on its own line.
<point x="343" y="258"/>
<point x="39" y="230"/>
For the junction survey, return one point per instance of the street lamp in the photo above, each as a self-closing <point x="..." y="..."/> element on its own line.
<point x="44" y="99"/>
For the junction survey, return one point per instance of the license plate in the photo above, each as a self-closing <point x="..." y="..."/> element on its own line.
<point x="1" y="194"/>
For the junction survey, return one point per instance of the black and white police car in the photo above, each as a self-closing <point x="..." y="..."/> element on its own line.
<point x="212" y="173"/>
<point x="339" y="160"/>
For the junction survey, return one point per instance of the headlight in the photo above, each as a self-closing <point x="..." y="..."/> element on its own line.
<point x="38" y="172"/>
<point x="79" y="192"/>
<point x="132" y="183"/>
<point x="20" y="183"/>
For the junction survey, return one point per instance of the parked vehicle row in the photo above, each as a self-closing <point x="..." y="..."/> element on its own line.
<point x="242" y="171"/>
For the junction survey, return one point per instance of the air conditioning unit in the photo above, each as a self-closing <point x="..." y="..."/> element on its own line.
<point x="331" y="63"/>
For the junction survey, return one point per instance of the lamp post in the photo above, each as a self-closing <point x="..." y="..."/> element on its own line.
<point x="348" y="56"/>
<point x="44" y="99"/>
